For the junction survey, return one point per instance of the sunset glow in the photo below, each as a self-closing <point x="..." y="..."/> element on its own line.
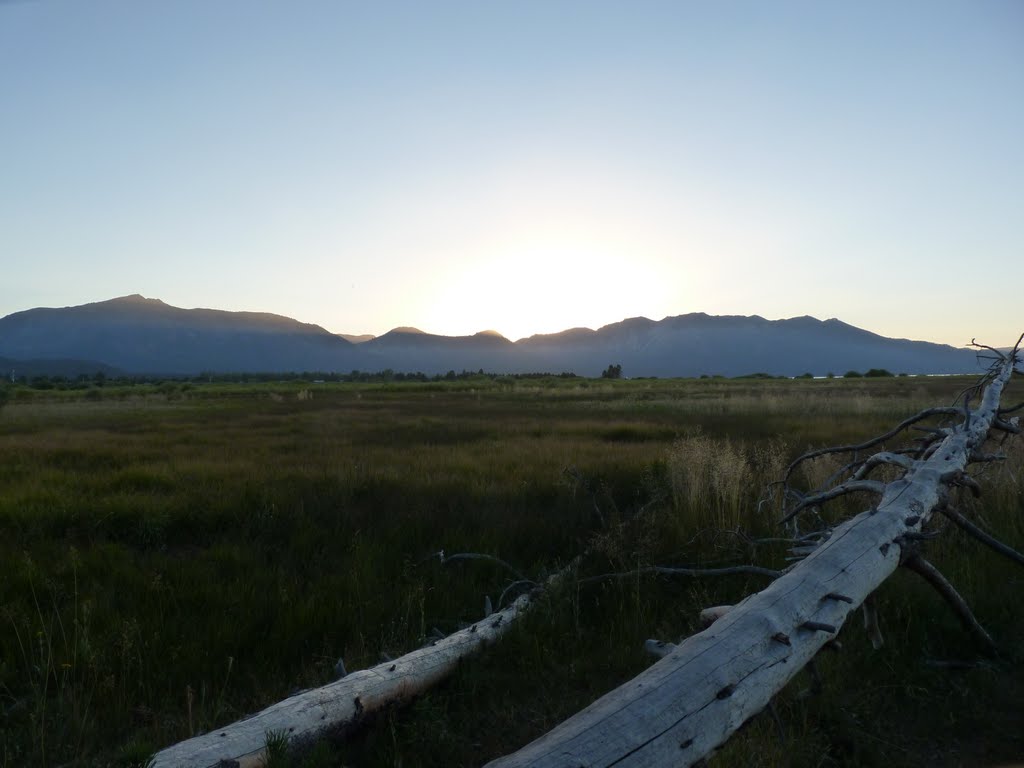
<point x="524" y="167"/>
<point x="527" y="289"/>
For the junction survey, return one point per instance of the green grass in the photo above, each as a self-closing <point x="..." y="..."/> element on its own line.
<point x="175" y="558"/>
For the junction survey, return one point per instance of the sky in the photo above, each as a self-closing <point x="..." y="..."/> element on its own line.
<point x="523" y="166"/>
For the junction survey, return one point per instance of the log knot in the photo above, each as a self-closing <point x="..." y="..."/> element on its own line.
<point x="817" y="626"/>
<point x="838" y="597"/>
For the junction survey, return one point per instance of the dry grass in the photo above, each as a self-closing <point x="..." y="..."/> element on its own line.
<point x="174" y="559"/>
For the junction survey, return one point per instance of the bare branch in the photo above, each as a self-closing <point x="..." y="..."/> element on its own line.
<point x="663" y="570"/>
<point x="927" y="413"/>
<point x="515" y="585"/>
<point x="446" y="559"/>
<point x="977" y="457"/>
<point x="841" y="472"/>
<point x="1010" y="426"/>
<point x="999" y="355"/>
<point x="852" y="486"/>
<point x="966" y="481"/>
<point x="982" y="536"/>
<point x="885" y="457"/>
<point x="1016" y="346"/>
<point x="931" y="574"/>
<point x="939" y="431"/>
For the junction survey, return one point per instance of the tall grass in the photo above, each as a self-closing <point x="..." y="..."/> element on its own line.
<point x="176" y="559"/>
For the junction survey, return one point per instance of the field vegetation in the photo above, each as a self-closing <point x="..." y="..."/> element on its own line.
<point x="178" y="554"/>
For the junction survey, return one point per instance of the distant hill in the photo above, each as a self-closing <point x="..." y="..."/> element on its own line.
<point x="140" y="335"/>
<point x="143" y="335"/>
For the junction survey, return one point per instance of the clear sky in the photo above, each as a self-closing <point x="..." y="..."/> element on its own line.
<point x="519" y="166"/>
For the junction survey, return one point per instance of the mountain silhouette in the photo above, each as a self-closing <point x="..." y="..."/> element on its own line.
<point x="143" y="335"/>
<point x="146" y="336"/>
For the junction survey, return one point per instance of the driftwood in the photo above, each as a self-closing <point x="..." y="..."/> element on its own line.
<point x="344" y="704"/>
<point x="688" y="703"/>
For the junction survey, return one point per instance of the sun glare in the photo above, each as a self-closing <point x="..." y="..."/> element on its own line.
<point x="542" y="288"/>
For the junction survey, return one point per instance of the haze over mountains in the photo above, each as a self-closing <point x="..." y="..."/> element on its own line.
<point x="133" y="334"/>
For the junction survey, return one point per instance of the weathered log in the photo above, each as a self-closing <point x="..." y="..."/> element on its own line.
<point x="343" y="704"/>
<point x="688" y="703"/>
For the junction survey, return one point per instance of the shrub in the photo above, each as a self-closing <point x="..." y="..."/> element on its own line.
<point x="612" y="372"/>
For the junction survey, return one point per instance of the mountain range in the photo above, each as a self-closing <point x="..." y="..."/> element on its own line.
<point x="138" y="335"/>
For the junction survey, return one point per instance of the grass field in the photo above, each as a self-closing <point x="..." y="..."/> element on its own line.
<point x="177" y="556"/>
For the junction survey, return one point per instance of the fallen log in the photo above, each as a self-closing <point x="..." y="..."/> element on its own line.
<point x="684" y="706"/>
<point x="308" y="716"/>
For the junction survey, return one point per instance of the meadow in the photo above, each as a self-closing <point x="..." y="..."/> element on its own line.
<point x="178" y="555"/>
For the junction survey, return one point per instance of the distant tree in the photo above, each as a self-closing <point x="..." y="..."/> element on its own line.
<point x="830" y="375"/>
<point x="612" y="372"/>
<point x="805" y="376"/>
<point x="876" y="373"/>
<point x="851" y="375"/>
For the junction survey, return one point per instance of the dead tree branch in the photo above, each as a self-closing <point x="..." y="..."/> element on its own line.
<point x="882" y="458"/>
<point x="462" y="556"/>
<point x="852" y="486"/>
<point x="664" y="570"/>
<point x="933" y="576"/>
<point x="989" y="541"/>
<point x="1011" y="409"/>
<point x="902" y="426"/>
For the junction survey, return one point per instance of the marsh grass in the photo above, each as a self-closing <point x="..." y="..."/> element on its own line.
<point x="174" y="559"/>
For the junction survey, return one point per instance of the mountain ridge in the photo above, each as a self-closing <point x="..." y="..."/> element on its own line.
<point x="143" y="335"/>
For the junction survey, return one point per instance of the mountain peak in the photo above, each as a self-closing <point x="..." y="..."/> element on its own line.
<point x="133" y="298"/>
<point x="407" y="329"/>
